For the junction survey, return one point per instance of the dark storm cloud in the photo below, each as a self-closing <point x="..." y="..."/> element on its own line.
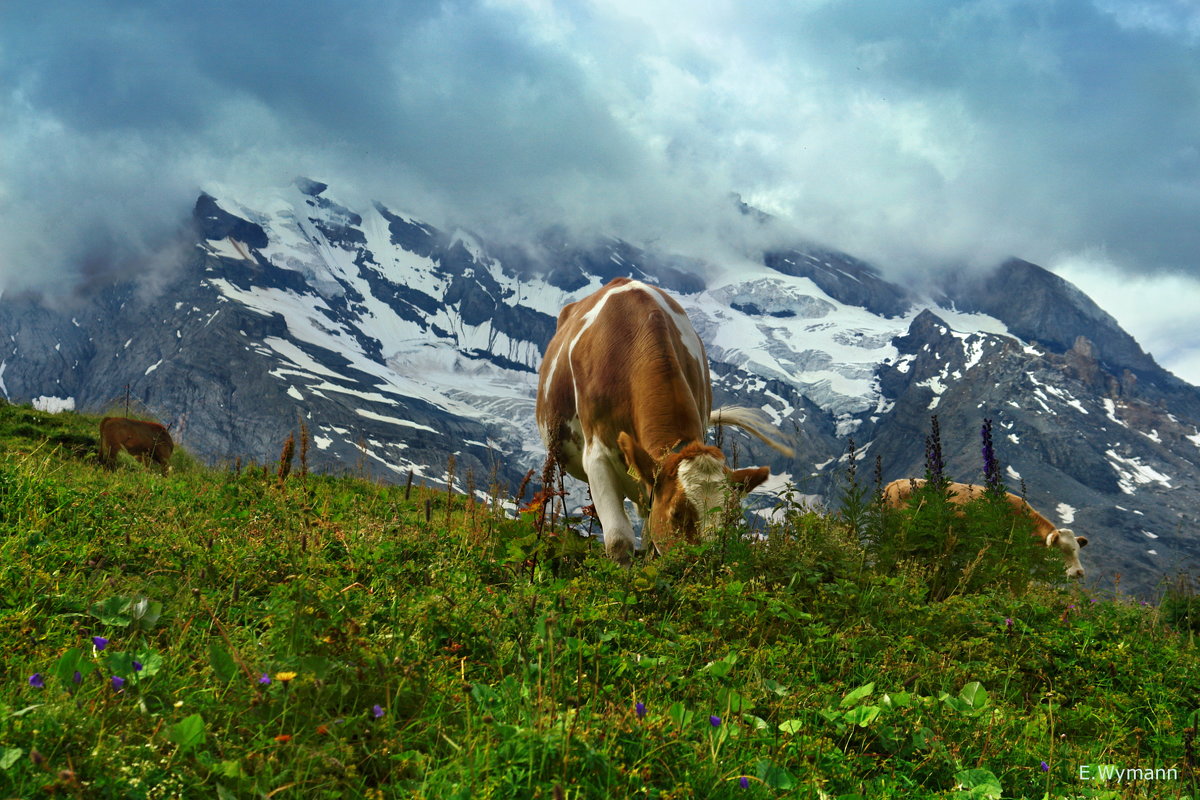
<point x="114" y="117"/>
<point x="916" y="133"/>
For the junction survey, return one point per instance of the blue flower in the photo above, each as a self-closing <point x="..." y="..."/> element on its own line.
<point x="715" y="721"/>
<point x="744" y="782"/>
<point x="377" y="711"/>
<point x="118" y="682"/>
<point x="77" y="677"/>
<point x="137" y="666"/>
<point x="640" y="708"/>
<point x="265" y="679"/>
<point x="36" y="681"/>
<point x="1045" y="767"/>
<point x="100" y="642"/>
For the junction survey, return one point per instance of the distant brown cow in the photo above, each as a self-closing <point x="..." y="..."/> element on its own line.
<point x="142" y="440"/>
<point x="897" y="492"/>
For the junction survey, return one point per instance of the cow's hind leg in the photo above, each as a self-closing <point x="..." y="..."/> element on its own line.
<point x="610" y="503"/>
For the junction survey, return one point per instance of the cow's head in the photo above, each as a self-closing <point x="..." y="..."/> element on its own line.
<point x="688" y="489"/>
<point x="1067" y="543"/>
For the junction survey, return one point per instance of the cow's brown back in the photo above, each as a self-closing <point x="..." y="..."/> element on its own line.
<point x="145" y="441"/>
<point x="897" y="493"/>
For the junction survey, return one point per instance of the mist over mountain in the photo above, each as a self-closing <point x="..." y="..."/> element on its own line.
<point x="399" y="343"/>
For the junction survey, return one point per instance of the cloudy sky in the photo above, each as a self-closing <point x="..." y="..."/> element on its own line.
<point x="916" y="134"/>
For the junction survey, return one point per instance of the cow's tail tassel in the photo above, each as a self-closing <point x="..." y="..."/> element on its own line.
<point x="755" y="423"/>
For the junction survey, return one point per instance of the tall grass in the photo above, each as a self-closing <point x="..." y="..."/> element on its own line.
<point x="239" y="634"/>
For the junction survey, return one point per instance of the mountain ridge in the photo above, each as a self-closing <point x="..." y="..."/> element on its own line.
<point x="400" y="344"/>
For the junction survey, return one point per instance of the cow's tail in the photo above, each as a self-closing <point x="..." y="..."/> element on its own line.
<point x="753" y="422"/>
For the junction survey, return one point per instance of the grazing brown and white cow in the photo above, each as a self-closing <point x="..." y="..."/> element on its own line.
<point x="624" y="401"/>
<point x="897" y="492"/>
<point x="145" y="441"/>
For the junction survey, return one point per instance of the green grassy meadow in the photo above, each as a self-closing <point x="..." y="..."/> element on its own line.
<point x="231" y="633"/>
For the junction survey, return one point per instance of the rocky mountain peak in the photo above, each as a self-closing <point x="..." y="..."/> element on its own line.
<point x="1039" y="306"/>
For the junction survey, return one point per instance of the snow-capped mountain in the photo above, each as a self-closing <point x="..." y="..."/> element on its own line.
<point x="400" y="344"/>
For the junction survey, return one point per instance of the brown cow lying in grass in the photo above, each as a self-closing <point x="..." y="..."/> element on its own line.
<point x="142" y="440"/>
<point x="897" y="492"/>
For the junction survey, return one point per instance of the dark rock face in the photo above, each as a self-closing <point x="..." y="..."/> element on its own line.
<point x="843" y="278"/>
<point x="1039" y="306"/>
<point x="399" y="345"/>
<point x="216" y="223"/>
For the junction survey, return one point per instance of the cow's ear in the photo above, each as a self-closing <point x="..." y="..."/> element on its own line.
<point x="748" y="479"/>
<point x="1052" y="539"/>
<point x="1081" y="541"/>
<point x="637" y="459"/>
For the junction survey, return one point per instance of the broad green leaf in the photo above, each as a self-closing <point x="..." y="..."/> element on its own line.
<point x="774" y="776"/>
<point x="222" y="663"/>
<point x="974" y="695"/>
<point x="150" y="660"/>
<point x="145" y="613"/>
<point x="680" y="715"/>
<point x="956" y="704"/>
<point x="980" y="783"/>
<point x="858" y="694"/>
<point x="119" y="663"/>
<point x="10" y="756"/>
<point x="485" y="695"/>
<point x="70" y="662"/>
<point x="188" y="732"/>
<point x="862" y="716"/>
<point x="731" y="700"/>
<point x="113" y="611"/>
<point x="791" y="725"/>
<point x="757" y="723"/>
<point x="719" y="669"/>
<point x="897" y="699"/>
<point x="317" y="666"/>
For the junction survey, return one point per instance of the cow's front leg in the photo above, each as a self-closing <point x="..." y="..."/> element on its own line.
<point x="605" y="483"/>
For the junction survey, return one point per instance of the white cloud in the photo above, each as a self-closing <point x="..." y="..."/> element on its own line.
<point x="1158" y="310"/>
<point x="1175" y="18"/>
<point x="913" y="134"/>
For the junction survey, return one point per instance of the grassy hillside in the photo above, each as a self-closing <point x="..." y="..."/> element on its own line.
<point x="235" y="634"/>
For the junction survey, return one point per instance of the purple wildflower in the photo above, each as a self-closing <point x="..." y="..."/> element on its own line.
<point x="118" y="682"/>
<point x="99" y="642"/>
<point x="935" y="465"/>
<point x="715" y="721"/>
<point x="137" y="666"/>
<point x="377" y="711"/>
<point x="77" y="677"/>
<point x="1045" y="767"/>
<point x="36" y="681"/>
<point x="744" y="782"/>
<point x="991" y="467"/>
<point x="1008" y="623"/>
<point x="265" y="679"/>
<point x="640" y="708"/>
